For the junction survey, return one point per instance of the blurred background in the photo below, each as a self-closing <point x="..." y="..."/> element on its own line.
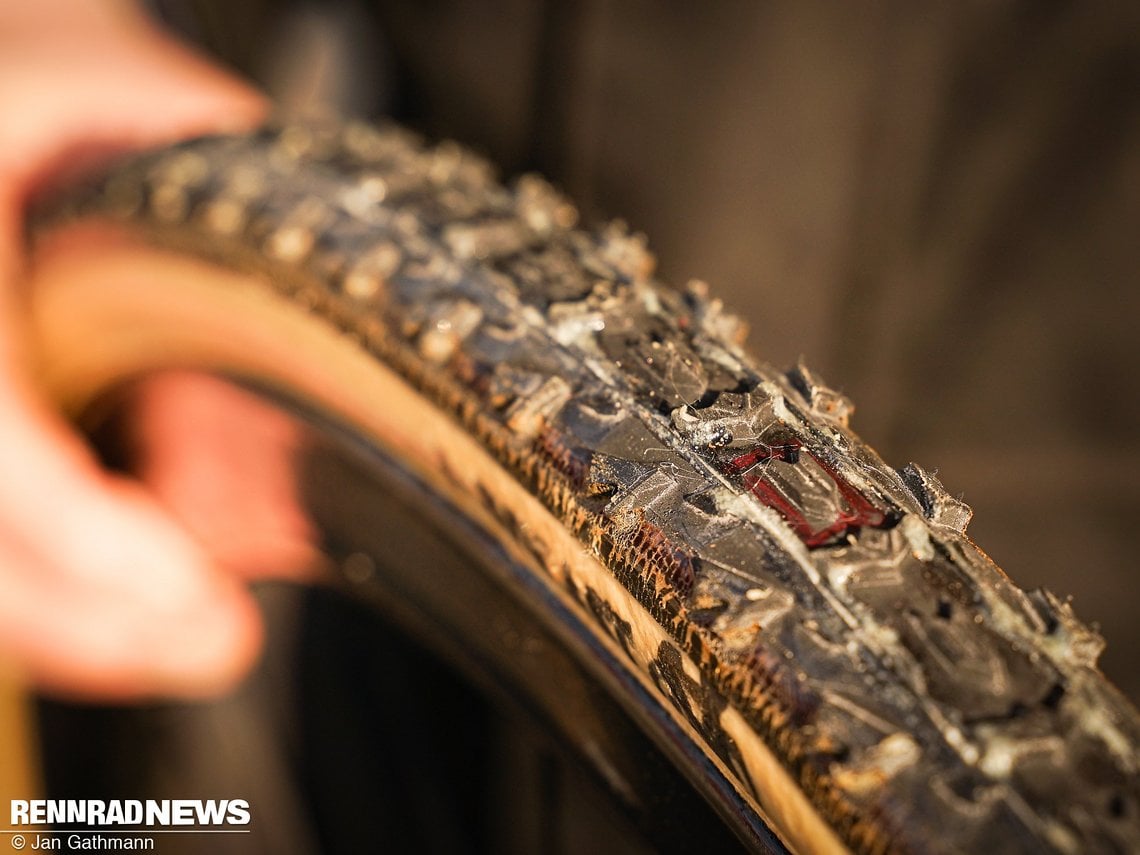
<point x="936" y="205"/>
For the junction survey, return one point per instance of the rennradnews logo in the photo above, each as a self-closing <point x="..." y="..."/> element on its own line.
<point x="136" y="812"/>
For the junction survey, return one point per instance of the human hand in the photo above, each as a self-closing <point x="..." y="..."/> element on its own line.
<point x="102" y="591"/>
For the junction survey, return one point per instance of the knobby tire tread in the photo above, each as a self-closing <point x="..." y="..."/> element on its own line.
<point x="922" y="700"/>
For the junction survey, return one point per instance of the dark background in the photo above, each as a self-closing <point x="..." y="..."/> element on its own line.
<point x="936" y="205"/>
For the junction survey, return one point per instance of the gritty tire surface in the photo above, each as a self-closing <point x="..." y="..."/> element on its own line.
<point x="923" y="701"/>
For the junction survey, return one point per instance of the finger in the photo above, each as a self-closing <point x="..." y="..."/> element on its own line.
<point x="124" y="85"/>
<point x="81" y="551"/>
<point x="224" y="462"/>
<point x="109" y="635"/>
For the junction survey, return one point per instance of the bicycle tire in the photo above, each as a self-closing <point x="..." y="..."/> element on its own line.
<point x="820" y="623"/>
